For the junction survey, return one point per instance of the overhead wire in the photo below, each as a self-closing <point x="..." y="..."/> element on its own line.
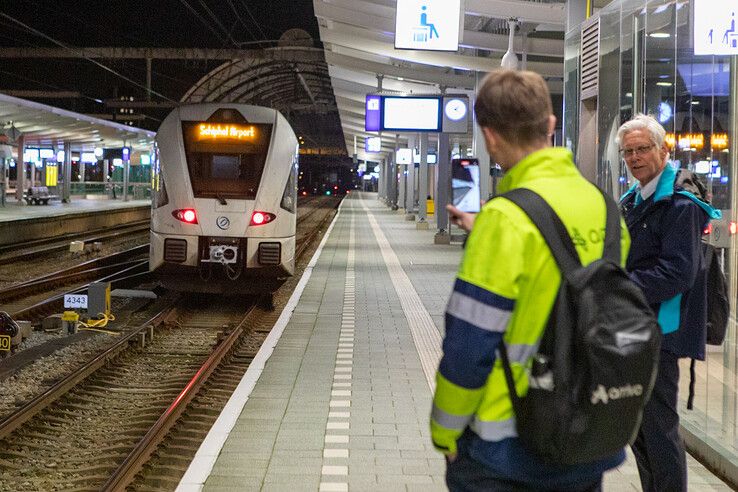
<point x="218" y="23"/>
<point x="240" y="19"/>
<point x="91" y="60"/>
<point x="203" y="21"/>
<point x="258" y="25"/>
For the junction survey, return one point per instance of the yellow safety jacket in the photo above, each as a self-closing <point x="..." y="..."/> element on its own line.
<point x="505" y="289"/>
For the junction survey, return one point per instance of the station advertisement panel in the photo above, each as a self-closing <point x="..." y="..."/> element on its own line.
<point x="715" y="27"/>
<point x="432" y="25"/>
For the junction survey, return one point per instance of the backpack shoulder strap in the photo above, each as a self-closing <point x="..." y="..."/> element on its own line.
<point x="611" y="249"/>
<point x="551" y="228"/>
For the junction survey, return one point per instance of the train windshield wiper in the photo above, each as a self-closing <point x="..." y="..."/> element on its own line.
<point x="221" y="200"/>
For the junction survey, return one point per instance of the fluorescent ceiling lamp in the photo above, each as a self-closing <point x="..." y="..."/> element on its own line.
<point x="660" y="35"/>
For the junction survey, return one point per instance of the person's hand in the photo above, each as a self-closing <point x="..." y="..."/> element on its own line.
<point x="464" y="220"/>
<point x="450" y="458"/>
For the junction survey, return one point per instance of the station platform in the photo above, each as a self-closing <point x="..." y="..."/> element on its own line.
<point x="15" y="211"/>
<point x="21" y="222"/>
<point x="339" y="396"/>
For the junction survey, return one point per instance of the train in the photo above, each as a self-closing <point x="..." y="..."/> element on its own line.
<point x="224" y="199"/>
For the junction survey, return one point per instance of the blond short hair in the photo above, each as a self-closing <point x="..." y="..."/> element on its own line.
<point x="515" y="104"/>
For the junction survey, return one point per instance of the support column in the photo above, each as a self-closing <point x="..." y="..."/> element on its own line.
<point x="67" y="188"/>
<point x="20" y="170"/>
<point x="148" y="79"/>
<point x="410" y="192"/>
<point x="478" y="146"/>
<point x="392" y="177"/>
<point x="126" y="174"/>
<point x="423" y="183"/>
<point x="396" y="182"/>
<point x="730" y="351"/>
<point x="443" y="236"/>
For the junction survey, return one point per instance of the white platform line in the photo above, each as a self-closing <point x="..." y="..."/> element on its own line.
<point x="424" y="332"/>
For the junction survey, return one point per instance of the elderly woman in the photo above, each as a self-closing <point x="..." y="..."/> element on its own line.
<point x="665" y="218"/>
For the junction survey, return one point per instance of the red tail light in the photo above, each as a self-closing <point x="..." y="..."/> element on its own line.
<point x="261" y="218"/>
<point x="733" y="227"/>
<point x="187" y="215"/>
<point x="708" y="229"/>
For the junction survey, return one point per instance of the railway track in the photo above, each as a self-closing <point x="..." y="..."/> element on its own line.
<point x="13" y="253"/>
<point x="17" y="298"/>
<point x="101" y="426"/>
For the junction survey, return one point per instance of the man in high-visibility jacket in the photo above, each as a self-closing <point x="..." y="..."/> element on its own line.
<point x="504" y="290"/>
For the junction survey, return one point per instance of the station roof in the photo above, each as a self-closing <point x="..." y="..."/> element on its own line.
<point x="44" y="125"/>
<point x="358" y="36"/>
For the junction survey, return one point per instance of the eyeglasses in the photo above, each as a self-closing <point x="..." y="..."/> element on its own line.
<point x="642" y="150"/>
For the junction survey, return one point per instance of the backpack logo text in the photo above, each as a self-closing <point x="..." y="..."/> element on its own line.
<point x="604" y="395"/>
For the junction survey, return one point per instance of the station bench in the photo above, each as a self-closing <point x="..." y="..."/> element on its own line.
<point x="38" y="195"/>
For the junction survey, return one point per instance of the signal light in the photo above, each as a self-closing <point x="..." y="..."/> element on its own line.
<point x="187" y="215"/>
<point x="261" y="218"/>
<point x="708" y="229"/>
<point x="733" y="228"/>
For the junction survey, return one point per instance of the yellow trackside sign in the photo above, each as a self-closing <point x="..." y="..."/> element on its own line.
<point x="5" y="343"/>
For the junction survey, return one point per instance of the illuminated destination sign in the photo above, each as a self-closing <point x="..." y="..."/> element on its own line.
<point x="715" y="27"/>
<point x="234" y="132"/>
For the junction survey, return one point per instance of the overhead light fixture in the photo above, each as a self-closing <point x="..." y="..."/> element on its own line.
<point x="400" y="78"/>
<point x="510" y="59"/>
<point x="664" y="84"/>
<point x="660" y="35"/>
<point x="695" y="103"/>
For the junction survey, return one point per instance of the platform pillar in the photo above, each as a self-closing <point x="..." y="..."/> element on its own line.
<point x="20" y="170"/>
<point x="67" y="185"/>
<point x="423" y="182"/>
<point x="443" y="236"/>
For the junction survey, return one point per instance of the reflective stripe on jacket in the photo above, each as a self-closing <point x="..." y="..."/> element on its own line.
<point x="505" y="288"/>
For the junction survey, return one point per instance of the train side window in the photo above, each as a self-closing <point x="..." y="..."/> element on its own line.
<point x="289" y="197"/>
<point x="159" y="196"/>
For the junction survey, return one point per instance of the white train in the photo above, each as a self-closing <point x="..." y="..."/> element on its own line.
<point x="224" y="199"/>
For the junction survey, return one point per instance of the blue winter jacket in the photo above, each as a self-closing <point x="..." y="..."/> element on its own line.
<point x="666" y="260"/>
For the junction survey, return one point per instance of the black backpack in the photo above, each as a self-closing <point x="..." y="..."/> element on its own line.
<point x="596" y="364"/>
<point x="718" y="309"/>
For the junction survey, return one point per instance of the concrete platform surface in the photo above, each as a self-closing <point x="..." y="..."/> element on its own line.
<point x="339" y="397"/>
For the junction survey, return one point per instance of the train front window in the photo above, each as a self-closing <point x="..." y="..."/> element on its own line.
<point x="226" y="160"/>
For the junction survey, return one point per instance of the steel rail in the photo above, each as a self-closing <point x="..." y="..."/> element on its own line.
<point x="62" y="387"/>
<point x="126" y="472"/>
<point x="47" y="245"/>
<point x="139" y="268"/>
<point x="134" y="462"/>
<point x="72" y="274"/>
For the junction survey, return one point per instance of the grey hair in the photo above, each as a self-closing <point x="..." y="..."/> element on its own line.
<point x="643" y="122"/>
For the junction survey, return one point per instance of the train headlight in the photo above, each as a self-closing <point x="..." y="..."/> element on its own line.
<point x="261" y="218"/>
<point x="187" y="215"/>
